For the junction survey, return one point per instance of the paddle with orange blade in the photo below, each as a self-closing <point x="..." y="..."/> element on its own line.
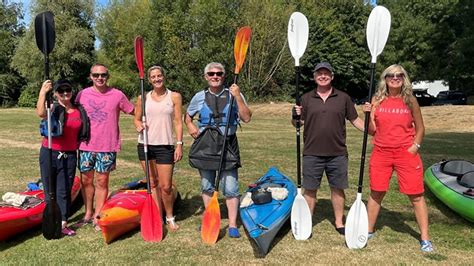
<point x="151" y="225"/>
<point x="211" y="220"/>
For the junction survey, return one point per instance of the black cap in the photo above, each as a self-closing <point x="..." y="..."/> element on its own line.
<point x="61" y="83"/>
<point x="325" y="65"/>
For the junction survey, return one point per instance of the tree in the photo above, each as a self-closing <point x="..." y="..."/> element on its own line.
<point x="73" y="53"/>
<point x="10" y="31"/>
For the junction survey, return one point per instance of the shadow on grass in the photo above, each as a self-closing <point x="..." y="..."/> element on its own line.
<point x="20" y="238"/>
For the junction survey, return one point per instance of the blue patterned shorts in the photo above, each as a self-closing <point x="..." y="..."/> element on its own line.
<point x="101" y="162"/>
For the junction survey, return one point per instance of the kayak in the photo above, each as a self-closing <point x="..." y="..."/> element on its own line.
<point x="263" y="220"/>
<point x="15" y="220"/>
<point x="121" y="212"/>
<point x="448" y="180"/>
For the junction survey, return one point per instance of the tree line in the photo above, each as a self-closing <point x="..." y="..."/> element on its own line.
<point x="432" y="40"/>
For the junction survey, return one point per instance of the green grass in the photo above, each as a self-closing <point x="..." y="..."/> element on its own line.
<point x="269" y="140"/>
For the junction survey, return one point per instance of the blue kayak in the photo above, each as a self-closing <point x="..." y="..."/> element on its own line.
<point x="263" y="221"/>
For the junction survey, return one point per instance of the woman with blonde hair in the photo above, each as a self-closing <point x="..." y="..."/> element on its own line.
<point x="399" y="130"/>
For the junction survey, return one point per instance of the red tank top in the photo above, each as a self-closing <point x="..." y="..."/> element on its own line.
<point x="394" y="124"/>
<point x="68" y="141"/>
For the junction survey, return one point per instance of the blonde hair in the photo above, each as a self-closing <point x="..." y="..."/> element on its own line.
<point x="382" y="89"/>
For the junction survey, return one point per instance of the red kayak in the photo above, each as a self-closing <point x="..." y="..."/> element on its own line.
<point x="15" y="220"/>
<point x="121" y="213"/>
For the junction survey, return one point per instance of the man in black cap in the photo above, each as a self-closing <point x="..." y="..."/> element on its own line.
<point x="323" y="112"/>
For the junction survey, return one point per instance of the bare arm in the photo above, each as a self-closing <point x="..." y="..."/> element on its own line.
<point x="40" y="104"/>
<point x="419" y="125"/>
<point x="297" y="110"/>
<point x="137" y="120"/>
<point x="244" y="112"/>
<point x="359" y="123"/>
<point x="192" y="128"/>
<point x="178" y="125"/>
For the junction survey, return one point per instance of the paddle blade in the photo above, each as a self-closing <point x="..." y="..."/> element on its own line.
<point x="298" y="32"/>
<point x="151" y="225"/>
<point x="51" y="226"/>
<point x="241" y="45"/>
<point x="139" y="55"/>
<point x="378" y="28"/>
<point x="211" y="221"/>
<point x="357" y="225"/>
<point x="301" y="220"/>
<point x="45" y="34"/>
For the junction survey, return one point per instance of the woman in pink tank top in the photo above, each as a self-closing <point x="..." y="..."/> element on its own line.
<point x="163" y="116"/>
<point x="399" y="130"/>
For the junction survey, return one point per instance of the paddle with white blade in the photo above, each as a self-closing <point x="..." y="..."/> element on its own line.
<point x="298" y="31"/>
<point x="378" y="28"/>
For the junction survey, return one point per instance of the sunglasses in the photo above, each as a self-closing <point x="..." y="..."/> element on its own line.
<point x="211" y="74"/>
<point x="63" y="90"/>
<point x="395" y="75"/>
<point x="102" y="75"/>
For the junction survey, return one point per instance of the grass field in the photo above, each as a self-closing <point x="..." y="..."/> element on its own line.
<point x="269" y="140"/>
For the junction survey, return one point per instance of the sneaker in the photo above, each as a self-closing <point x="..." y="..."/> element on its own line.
<point x="370" y="235"/>
<point x="426" y="246"/>
<point x="234" y="232"/>
<point x="68" y="232"/>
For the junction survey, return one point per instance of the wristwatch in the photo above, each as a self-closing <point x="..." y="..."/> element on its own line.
<point x="179" y="143"/>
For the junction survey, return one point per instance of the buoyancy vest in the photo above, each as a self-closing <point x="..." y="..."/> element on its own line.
<point x="215" y="109"/>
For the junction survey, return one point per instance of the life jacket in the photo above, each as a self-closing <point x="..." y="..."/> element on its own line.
<point x="215" y="109"/>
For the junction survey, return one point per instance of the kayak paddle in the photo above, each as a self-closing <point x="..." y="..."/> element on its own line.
<point x="357" y="224"/>
<point x="211" y="220"/>
<point x="45" y="38"/>
<point x="151" y="225"/>
<point x="301" y="220"/>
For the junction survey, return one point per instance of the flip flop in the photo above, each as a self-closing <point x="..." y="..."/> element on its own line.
<point x="81" y="223"/>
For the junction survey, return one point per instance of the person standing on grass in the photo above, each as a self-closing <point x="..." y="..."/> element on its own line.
<point x="212" y="104"/>
<point x="399" y="131"/>
<point x="163" y="114"/>
<point x="323" y="113"/>
<point x="64" y="147"/>
<point x="98" y="157"/>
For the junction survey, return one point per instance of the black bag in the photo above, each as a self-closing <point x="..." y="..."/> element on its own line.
<point x="205" y="153"/>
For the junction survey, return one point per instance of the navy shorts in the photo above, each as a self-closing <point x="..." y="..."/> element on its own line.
<point x="334" y="166"/>
<point x="162" y="154"/>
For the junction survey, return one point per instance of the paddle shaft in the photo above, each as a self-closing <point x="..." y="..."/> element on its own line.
<point x="366" y="130"/>
<point x="298" y="126"/>
<point x="145" y="137"/>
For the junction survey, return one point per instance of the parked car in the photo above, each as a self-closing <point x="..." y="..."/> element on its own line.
<point x="423" y="97"/>
<point x="451" y="97"/>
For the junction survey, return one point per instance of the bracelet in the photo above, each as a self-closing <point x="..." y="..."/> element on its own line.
<point x="179" y="143"/>
<point x="417" y="145"/>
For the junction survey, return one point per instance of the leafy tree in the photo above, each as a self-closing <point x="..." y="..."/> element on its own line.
<point x="73" y="52"/>
<point x="10" y="31"/>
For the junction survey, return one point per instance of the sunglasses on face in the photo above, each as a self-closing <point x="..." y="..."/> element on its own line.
<point x="395" y="75"/>
<point x="102" y="75"/>
<point x="63" y="90"/>
<point x="211" y="74"/>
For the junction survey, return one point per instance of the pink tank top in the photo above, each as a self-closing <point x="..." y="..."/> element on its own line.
<point x="159" y="117"/>
<point x="394" y="123"/>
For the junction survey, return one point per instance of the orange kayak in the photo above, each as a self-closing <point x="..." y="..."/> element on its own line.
<point x="15" y="220"/>
<point x="121" y="213"/>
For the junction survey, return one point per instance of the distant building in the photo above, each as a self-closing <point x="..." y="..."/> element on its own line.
<point x="432" y="87"/>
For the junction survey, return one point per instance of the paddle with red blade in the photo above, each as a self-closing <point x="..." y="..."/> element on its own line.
<point x="211" y="220"/>
<point x="45" y="36"/>
<point x="151" y="225"/>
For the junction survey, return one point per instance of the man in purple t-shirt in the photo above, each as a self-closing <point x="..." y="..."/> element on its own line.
<point x="98" y="156"/>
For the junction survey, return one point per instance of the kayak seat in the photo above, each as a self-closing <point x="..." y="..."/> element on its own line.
<point x="467" y="180"/>
<point x="456" y="167"/>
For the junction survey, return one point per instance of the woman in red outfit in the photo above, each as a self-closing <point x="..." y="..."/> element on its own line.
<point x="399" y="130"/>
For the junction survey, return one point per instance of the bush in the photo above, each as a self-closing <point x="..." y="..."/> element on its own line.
<point x="29" y="95"/>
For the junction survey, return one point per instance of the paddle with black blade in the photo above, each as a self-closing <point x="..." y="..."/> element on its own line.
<point x="211" y="220"/>
<point x="45" y="36"/>
<point x="378" y="28"/>
<point x="298" y="31"/>
<point x="151" y="225"/>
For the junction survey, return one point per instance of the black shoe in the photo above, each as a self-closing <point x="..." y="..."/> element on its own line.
<point x="341" y="230"/>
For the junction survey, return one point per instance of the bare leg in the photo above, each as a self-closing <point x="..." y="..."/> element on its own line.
<point x="310" y="197"/>
<point x="373" y="207"/>
<point x="154" y="185"/>
<point x="232" y="208"/>
<point x="165" y="177"/>
<point x="206" y="199"/>
<point x="87" y="182"/>
<point x="338" y="198"/>
<point x="421" y="214"/>
<point x="101" y="192"/>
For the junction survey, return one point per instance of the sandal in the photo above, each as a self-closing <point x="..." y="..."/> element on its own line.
<point x="172" y="225"/>
<point x="81" y="223"/>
